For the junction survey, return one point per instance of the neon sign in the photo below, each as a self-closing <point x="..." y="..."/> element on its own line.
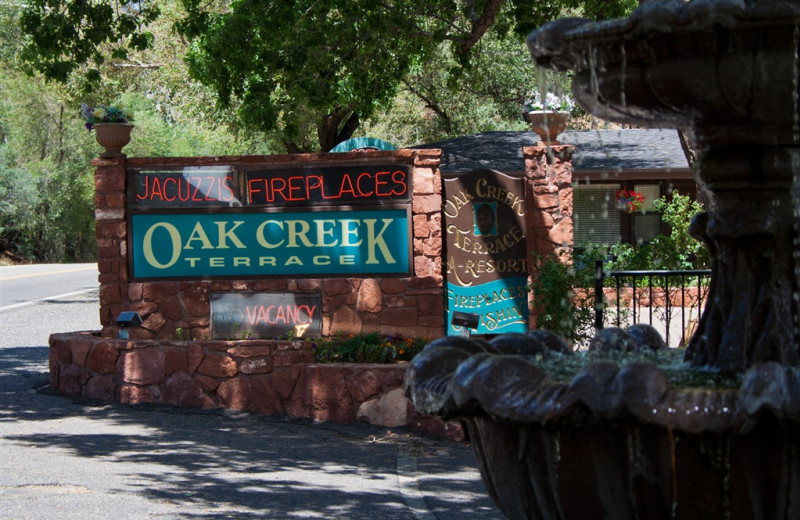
<point x="265" y="315"/>
<point x="213" y="186"/>
<point x="227" y="186"/>
<point x="336" y="184"/>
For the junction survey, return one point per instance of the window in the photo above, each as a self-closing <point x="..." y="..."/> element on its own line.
<point x="595" y="218"/>
<point x="647" y="222"/>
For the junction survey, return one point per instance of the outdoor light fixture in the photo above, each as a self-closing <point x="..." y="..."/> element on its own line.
<point x="126" y="320"/>
<point x="466" y="320"/>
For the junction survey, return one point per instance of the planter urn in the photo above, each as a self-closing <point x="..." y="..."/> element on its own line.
<point x="547" y="124"/>
<point x="113" y="137"/>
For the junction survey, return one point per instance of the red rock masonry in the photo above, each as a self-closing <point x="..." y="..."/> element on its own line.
<point x="548" y="192"/>
<point x="688" y="298"/>
<point x="266" y="377"/>
<point x="405" y="306"/>
<point x="549" y="189"/>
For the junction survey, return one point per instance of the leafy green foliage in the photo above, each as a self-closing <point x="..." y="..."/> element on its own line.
<point x="564" y="296"/>
<point x="368" y="348"/>
<point x="307" y="72"/>
<point x="45" y="212"/>
<point x="678" y="250"/>
<point x="563" y="288"/>
<point x="678" y="212"/>
<point x="181" y="137"/>
<point x="64" y="35"/>
<point x="301" y="68"/>
<point x="530" y="15"/>
<point x="46" y="181"/>
<point x="442" y="99"/>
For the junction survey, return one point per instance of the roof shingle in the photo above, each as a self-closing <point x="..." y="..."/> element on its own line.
<point x="622" y="149"/>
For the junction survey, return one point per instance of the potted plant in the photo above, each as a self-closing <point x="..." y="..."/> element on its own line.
<point x="112" y="126"/>
<point x="548" y="115"/>
<point x="628" y="200"/>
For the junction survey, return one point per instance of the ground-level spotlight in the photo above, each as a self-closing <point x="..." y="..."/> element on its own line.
<point x="127" y="320"/>
<point x="468" y="321"/>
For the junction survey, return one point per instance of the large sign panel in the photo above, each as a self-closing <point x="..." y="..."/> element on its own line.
<point x="265" y="315"/>
<point x="355" y="241"/>
<point x="297" y="219"/>
<point x="486" y="250"/>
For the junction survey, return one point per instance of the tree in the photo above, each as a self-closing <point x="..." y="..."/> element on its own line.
<point x="296" y="66"/>
<point x="443" y="99"/>
<point x="308" y="71"/>
<point x="46" y="181"/>
<point x="67" y="34"/>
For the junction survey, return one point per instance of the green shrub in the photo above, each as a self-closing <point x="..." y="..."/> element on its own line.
<point x="676" y="251"/>
<point x="557" y="305"/>
<point x="681" y="250"/>
<point x="563" y="287"/>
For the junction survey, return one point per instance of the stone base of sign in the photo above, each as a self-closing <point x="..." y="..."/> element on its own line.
<point x="270" y="377"/>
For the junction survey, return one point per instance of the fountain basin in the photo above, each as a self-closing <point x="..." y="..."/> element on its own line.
<point x="727" y="69"/>
<point x="616" y="441"/>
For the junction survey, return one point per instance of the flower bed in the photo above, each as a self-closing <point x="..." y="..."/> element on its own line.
<point x="367" y="348"/>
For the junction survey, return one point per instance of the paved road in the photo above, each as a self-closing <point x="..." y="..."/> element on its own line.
<point x="71" y="459"/>
<point x="23" y="284"/>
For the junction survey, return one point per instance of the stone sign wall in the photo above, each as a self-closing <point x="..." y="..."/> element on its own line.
<point x="163" y="257"/>
<point x="175" y="357"/>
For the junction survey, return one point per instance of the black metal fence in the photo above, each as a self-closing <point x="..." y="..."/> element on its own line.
<point x="657" y="289"/>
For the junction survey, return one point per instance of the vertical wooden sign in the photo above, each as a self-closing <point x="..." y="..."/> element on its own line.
<point x="486" y="251"/>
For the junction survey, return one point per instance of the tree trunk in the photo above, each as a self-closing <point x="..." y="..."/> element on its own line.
<point x="331" y="131"/>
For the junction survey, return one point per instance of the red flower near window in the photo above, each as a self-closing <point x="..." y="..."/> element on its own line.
<point x="629" y="200"/>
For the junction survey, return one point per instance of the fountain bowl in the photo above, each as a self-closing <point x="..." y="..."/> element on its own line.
<point x="616" y="440"/>
<point x="726" y="69"/>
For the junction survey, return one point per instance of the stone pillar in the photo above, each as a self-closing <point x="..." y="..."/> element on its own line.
<point x="548" y="200"/>
<point x="112" y="232"/>
<point x="548" y="195"/>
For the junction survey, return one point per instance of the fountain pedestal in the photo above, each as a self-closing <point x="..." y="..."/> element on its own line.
<point x="728" y="73"/>
<point x="753" y="313"/>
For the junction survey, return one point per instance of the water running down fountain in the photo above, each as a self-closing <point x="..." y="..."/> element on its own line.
<point x="622" y="441"/>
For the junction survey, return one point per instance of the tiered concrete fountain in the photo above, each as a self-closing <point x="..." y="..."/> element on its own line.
<point x="621" y="439"/>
